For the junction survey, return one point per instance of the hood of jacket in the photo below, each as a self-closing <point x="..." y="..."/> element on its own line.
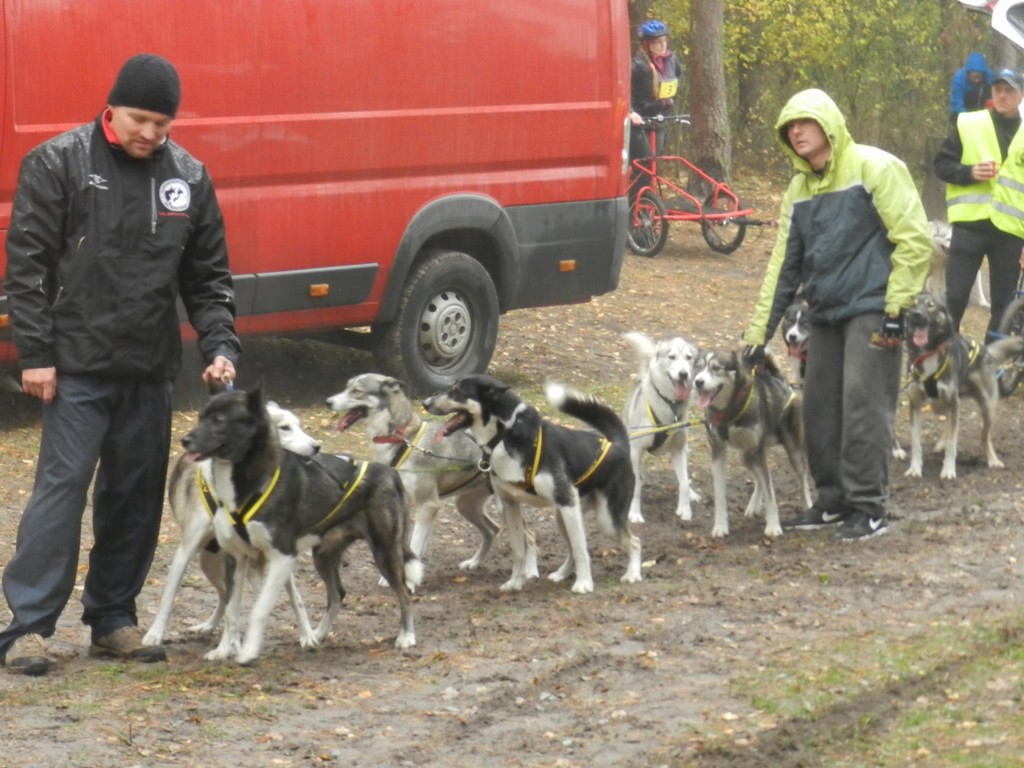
<point x="976" y="63"/>
<point x="819" y="107"/>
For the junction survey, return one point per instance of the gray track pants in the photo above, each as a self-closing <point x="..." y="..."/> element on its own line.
<point x="850" y="395"/>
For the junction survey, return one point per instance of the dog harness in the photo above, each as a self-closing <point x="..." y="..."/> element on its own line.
<point x="931" y="382"/>
<point x="245" y="512"/>
<point x="413" y="445"/>
<point x="248" y="509"/>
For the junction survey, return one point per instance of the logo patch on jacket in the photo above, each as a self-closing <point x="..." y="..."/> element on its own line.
<point x="175" y="195"/>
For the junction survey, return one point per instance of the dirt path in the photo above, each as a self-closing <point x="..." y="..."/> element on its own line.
<point x="719" y="658"/>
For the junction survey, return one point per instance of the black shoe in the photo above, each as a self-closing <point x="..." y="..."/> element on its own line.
<point x="28" y="656"/>
<point x="861" y="525"/>
<point x="815" y="518"/>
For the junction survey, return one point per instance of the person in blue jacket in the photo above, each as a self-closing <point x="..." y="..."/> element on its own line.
<point x="971" y="88"/>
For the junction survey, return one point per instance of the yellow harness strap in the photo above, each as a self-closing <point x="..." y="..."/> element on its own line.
<point x="249" y="508"/>
<point x="409" y="446"/>
<point x="528" y="480"/>
<point x="352" y="486"/>
<point x="605" y="446"/>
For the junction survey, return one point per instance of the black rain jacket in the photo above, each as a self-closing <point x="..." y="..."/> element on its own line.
<point x="100" y="247"/>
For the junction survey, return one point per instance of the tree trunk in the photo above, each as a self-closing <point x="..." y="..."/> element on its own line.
<point x="712" y="142"/>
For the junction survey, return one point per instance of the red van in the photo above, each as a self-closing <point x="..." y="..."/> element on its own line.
<point x="404" y="170"/>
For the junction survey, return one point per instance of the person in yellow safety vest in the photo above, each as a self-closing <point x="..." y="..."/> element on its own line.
<point x="981" y="163"/>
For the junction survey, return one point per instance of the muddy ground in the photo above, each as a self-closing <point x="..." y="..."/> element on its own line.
<point x="734" y="652"/>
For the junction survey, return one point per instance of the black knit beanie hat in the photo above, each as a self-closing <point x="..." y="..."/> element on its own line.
<point x="149" y="82"/>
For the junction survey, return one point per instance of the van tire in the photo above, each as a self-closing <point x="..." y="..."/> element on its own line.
<point x="446" y="326"/>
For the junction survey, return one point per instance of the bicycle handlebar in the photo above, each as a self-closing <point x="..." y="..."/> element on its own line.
<point x="652" y="122"/>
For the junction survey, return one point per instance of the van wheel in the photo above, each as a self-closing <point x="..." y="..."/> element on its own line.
<point x="446" y="327"/>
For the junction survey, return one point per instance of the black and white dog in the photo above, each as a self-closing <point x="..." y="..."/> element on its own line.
<point x="434" y="467"/>
<point x="540" y="463"/>
<point x="656" y="413"/>
<point x="750" y="411"/>
<point x="272" y="504"/>
<point x="796" y="329"/>
<point x="945" y="366"/>
<point x="189" y="507"/>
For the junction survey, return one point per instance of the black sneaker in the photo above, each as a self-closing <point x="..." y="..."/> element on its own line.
<point x="860" y="525"/>
<point x="814" y="518"/>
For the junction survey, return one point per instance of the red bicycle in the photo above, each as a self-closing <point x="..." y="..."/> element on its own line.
<point x="657" y="197"/>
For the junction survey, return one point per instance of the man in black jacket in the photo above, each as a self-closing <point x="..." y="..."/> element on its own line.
<point x="112" y="222"/>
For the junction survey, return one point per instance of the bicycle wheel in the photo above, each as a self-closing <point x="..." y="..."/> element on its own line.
<point x="1011" y="373"/>
<point x="648" y="229"/>
<point x="723" y="235"/>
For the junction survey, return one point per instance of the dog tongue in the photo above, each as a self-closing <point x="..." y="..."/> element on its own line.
<point x="704" y="400"/>
<point x="920" y="337"/>
<point x="456" y="422"/>
<point x="794" y="350"/>
<point x="349" y="419"/>
<point x="682" y="391"/>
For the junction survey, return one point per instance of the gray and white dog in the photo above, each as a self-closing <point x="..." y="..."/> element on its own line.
<point x="435" y="467"/>
<point x="945" y="367"/>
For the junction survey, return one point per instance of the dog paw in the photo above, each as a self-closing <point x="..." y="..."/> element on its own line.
<point x="899" y="454"/>
<point x="773" y="531"/>
<point x="635" y="517"/>
<point x="153" y="637"/>
<point x="469" y="565"/>
<point x="913" y="471"/>
<point x="583" y="587"/>
<point x="695" y="497"/>
<point x="405" y="640"/>
<point x="684" y="513"/>
<point x="629" y="577"/>
<point x="995" y="463"/>
<point x="217" y="654"/>
<point x="512" y="585"/>
<point x="947" y="473"/>
<point x="719" y="531"/>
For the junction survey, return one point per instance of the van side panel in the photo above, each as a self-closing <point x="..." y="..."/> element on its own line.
<point x="327" y="126"/>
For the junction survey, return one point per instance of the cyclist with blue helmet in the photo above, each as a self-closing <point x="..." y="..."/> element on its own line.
<point x="655" y="78"/>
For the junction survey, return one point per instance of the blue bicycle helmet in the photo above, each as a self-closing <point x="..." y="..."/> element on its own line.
<point x="652" y="28"/>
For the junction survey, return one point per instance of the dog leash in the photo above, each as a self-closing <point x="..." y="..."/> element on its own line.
<point x="413" y="445"/>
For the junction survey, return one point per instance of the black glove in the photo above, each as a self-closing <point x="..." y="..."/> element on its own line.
<point x="753" y="356"/>
<point x="890" y="335"/>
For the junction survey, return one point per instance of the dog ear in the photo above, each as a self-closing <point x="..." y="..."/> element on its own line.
<point x="393" y="386"/>
<point x="254" y="398"/>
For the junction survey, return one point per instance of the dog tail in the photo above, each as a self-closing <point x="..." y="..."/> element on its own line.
<point x="643" y="347"/>
<point x="587" y="409"/>
<point x="1006" y="349"/>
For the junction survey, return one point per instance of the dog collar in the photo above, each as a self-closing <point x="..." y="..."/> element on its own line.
<point x="410" y="445"/>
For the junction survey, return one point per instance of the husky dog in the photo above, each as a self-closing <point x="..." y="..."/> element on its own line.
<point x="749" y="410"/>
<point x="434" y="467"/>
<point x="942" y="235"/>
<point x="656" y="413"/>
<point x="540" y="463"/>
<point x="271" y="504"/>
<point x="945" y="366"/>
<point x="196" y="524"/>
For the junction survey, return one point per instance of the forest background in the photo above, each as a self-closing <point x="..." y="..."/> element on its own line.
<point x="886" y="63"/>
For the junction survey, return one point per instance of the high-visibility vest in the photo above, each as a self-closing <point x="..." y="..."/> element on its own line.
<point x="980" y="143"/>
<point x="1008" y="197"/>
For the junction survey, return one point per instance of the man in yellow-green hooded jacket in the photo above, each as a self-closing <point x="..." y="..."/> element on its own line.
<point x="853" y="237"/>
